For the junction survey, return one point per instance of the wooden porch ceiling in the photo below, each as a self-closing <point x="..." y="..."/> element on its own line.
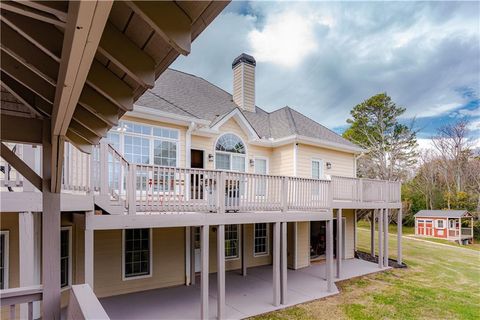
<point x="82" y="64"/>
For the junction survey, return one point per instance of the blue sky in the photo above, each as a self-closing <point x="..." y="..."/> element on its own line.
<point x="323" y="58"/>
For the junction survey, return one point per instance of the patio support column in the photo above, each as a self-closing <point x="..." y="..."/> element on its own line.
<point x="221" y="271"/>
<point x="26" y="254"/>
<point x="372" y="233"/>
<point x="283" y="264"/>
<point x="89" y="253"/>
<point x="276" y="264"/>
<point x="204" y="232"/>
<point x="339" y="242"/>
<point x="329" y="255"/>
<point x="188" y="260"/>
<point x="399" y="236"/>
<point x="244" y="252"/>
<point x="50" y="232"/>
<point x="385" y="233"/>
<point x="192" y="255"/>
<point x="380" y="238"/>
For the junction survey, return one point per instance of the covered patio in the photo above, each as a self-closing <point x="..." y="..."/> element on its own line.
<point x="245" y="296"/>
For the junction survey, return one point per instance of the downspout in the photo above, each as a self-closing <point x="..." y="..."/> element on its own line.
<point x="295" y="224"/>
<point x="188" y="233"/>
<point x="188" y="144"/>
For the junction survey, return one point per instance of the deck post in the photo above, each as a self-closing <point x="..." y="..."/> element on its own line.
<point x="380" y="238"/>
<point x="329" y="255"/>
<point x="372" y="233"/>
<point x="26" y="254"/>
<point x="355" y="236"/>
<point x="283" y="264"/>
<point x="89" y="253"/>
<point x="385" y="238"/>
<point x="204" y="233"/>
<point x="104" y="167"/>
<point x="339" y="242"/>
<point x="221" y="271"/>
<point x="188" y="260"/>
<point x="192" y="255"/>
<point x="50" y="232"/>
<point x="399" y="236"/>
<point x="244" y="252"/>
<point x="276" y="264"/>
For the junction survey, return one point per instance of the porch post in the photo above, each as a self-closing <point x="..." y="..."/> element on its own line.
<point x="204" y="233"/>
<point x="187" y="256"/>
<point x="385" y="241"/>
<point x="329" y="255"/>
<point x="89" y="253"/>
<point x="221" y="271"/>
<point x="26" y="254"/>
<point x="50" y="233"/>
<point x="399" y="236"/>
<point x="355" y="230"/>
<point x="283" y="264"/>
<point x="192" y="256"/>
<point x="372" y="233"/>
<point x="339" y="242"/>
<point x="276" y="264"/>
<point x="244" y="253"/>
<point x="380" y="238"/>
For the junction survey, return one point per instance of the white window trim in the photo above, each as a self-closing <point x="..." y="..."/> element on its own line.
<point x="244" y="155"/>
<point x="239" y="247"/>
<point x="267" y="247"/>
<point x="321" y="167"/>
<point x="69" y="285"/>
<point x="6" y="260"/>
<point x="436" y="224"/>
<point x="124" y="278"/>
<point x="151" y="137"/>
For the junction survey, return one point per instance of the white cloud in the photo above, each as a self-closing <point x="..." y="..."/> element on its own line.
<point x="438" y="110"/>
<point x="286" y="39"/>
<point x="474" y="125"/>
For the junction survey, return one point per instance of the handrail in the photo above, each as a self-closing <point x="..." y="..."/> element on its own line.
<point x="84" y="305"/>
<point x="15" y="296"/>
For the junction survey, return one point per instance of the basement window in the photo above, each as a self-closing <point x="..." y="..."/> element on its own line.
<point x="231" y="241"/>
<point x="65" y="257"/>
<point x="260" y="239"/>
<point x="137" y="253"/>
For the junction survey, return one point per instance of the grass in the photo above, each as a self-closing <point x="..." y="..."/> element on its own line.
<point x="440" y="283"/>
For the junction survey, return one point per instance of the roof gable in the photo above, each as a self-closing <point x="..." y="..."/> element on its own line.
<point x="443" y="214"/>
<point x="240" y="119"/>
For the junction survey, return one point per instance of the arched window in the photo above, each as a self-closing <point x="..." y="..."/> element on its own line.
<point x="230" y="153"/>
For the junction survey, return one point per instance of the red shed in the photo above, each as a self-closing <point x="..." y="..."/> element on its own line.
<point x="454" y="225"/>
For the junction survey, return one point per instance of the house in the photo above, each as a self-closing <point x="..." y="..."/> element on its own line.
<point x="453" y="225"/>
<point x="197" y="204"/>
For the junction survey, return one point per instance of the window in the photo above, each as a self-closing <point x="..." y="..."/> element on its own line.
<point x="137" y="253"/>
<point x="231" y="241"/>
<point x="137" y="149"/>
<point x="261" y="185"/>
<point x="317" y="169"/>
<point x="260" y="239"/>
<point x="440" y="224"/>
<point x="453" y="223"/>
<point x="4" y="259"/>
<point x="165" y="153"/>
<point x="230" y="153"/>
<point x="65" y="257"/>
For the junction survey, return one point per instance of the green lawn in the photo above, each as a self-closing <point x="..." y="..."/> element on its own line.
<point x="441" y="282"/>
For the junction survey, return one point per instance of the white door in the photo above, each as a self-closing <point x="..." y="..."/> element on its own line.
<point x="196" y="243"/>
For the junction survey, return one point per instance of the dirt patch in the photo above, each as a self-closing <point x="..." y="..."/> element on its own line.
<point x="368" y="257"/>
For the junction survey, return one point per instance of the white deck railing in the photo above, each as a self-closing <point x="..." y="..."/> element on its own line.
<point x="18" y="296"/>
<point x="84" y="305"/>
<point x="152" y="188"/>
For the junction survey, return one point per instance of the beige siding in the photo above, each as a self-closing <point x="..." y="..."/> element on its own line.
<point x="282" y="160"/>
<point x="182" y="132"/>
<point x="303" y="244"/>
<point x="343" y="163"/>
<point x="168" y="264"/>
<point x="9" y="222"/>
<point x="244" y="86"/>
<point x="349" y="233"/>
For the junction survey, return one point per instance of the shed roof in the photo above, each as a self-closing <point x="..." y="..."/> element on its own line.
<point x="442" y="213"/>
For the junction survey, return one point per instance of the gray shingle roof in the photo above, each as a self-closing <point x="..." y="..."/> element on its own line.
<point x="441" y="213"/>
<point x="188" y="95"/>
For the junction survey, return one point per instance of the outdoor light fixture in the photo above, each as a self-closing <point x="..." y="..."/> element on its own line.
<point x="329" y="165"/>
<point x="252" y="162"/>
<point x="210" y="157"/>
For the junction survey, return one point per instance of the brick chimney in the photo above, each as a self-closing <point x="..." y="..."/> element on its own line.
<point x="244" y="82"/>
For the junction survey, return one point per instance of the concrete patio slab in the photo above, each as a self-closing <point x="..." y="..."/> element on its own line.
<point x="245" y="296"/>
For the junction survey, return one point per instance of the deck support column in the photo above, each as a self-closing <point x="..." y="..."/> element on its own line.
<point x="283" y="263"/>
<point x="372" y="233"/>
<point x="221" y="272"/>
<point x="244" y="252"/>
<point x="329" y="255"/>
<point x="339" y="242"/>
<point x="50" y="232"/>
<point x="188" y="260"/>
<point x="276" y="264"/>
<point x="89" y="254"/>
<point x="192" y="255"/>
<point x="399" y="235"/>
<point x="380" y="238"/>
<point x="204" y="233"/>
<point x="385" y="238"/>
<point x="26" y="254"/>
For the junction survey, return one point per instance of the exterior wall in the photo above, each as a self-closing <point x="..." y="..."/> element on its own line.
<point x="244" y="86"/>
<point x="430" y="229"/>
<point x="168" y="262"/>
<point x="303" y="244"/>
<point x="349" y="233"/>
<point x="282" y="161"/>
<point x="343" y="163"/>
<point x="9" y="222"/>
